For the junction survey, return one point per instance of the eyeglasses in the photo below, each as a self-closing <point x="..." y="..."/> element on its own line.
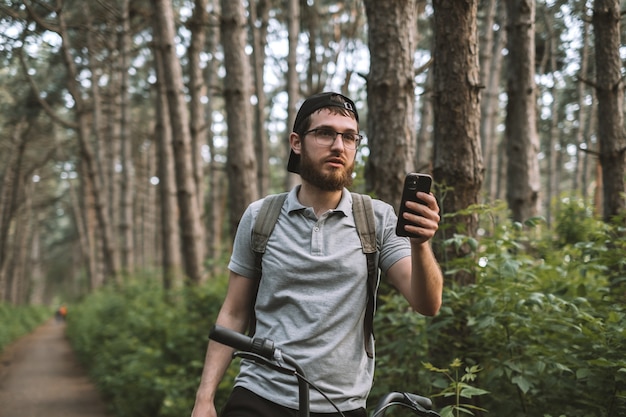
<point x="326" y="137"/>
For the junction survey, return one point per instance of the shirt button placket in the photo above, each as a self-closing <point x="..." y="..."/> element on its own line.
<point x="316" y="239"/>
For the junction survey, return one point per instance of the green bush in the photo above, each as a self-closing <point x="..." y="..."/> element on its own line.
<point x="19" y="320"/>
<point x="544" y="322"/>
<point x="145" y="348"/>
<point x="542" y="319"/>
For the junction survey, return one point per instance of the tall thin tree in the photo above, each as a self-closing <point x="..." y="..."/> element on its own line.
<point x="610" y="91"/>
<point x="390" y="96"/>
<point x="458" y="162"/>
<point x="522" y="141"/>
<point x="241" y="164"/>
<point x="190" y="221"/>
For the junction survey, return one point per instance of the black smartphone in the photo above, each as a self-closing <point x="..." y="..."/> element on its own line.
<point x="413" y="183"/>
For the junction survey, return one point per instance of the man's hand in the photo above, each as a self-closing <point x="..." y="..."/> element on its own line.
<point x="424" y="222"/>
<point x="204" y="409"/>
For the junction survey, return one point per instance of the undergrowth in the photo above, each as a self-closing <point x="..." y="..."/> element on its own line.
<point x="541" y="330"/>
<point x="19" y="320"/>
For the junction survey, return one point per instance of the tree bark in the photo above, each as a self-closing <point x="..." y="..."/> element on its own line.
<point x="259" y="17"/>
<point x="610" y="92"/>
<point x="458" y="163"/>
<point x="390" y="96"/>
<point x="241" y="164"/>
<point x="126" y="156"/>
<point x="197" y="93"/>
<point x="171" y="260"/>
<point x="191" y="223"/>
<point x="217" y="184"/>
<point x="578" y="183"/>
<point x="424" y="143"/>
<point x="491" y="60"/>
<point x="293" y="82"/>
<point x="521" y="128"/>
<point x="8" y="200"/>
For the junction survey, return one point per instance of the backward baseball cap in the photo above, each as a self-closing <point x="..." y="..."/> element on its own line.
<point x="310" y="106"/>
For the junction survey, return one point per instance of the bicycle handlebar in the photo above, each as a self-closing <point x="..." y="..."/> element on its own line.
<point x="264" y="348"/>
<point x="417" y="403"/>
<point x="261" y="347"/>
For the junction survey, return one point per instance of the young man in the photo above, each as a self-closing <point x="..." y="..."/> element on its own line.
<point x="312" y="298"/>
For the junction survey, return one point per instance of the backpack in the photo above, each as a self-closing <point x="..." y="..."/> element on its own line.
<point x="363" y="213"/>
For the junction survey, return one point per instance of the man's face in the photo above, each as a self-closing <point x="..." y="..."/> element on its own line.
<point x="328" y="167"/>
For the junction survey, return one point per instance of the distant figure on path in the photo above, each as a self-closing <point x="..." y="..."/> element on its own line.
<point x="61" y="313"/>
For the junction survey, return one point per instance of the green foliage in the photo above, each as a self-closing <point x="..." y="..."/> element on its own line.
<point x="19" y="320"/>
<point x="545" y="319"/>
<point x="544" y="322"/>
<point x="542" y="318"/>
<point x="145" y="348"/>
<point x="457" y="386"/>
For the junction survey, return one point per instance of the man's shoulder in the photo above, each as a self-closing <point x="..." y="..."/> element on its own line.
<point x="378" y="205"/>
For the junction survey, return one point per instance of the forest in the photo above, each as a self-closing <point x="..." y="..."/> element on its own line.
<point x="133" y="135"/>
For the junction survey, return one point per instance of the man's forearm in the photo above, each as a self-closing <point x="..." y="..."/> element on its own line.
<point x="426" y="279"/>
<point x="218" y="358"/>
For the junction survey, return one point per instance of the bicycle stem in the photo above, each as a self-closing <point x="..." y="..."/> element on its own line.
<point x="303" y="386"/>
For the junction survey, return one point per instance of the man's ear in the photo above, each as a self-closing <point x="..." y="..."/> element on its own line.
<point x="295" y="142"/>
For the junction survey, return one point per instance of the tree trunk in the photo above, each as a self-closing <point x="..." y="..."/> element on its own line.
<point x="424" y="143"/>
<point x="89" y="245"/>
<point x="171" y="261"/>
<point x="553" y="146"/>
<point x="521" y="129"/>
<point x="241" y="165"/>
<point x="126" y="157"/>
<point x="83" y="133"/>
<point x="8" y="201"/>
<point x="491" y="70"/>
<point x="191" y="223"/>
<point x="293" y="82"/>
<point x="37" y="275"/>
<point x="610" y="91"/>
<point x="259" y="16"/>
<point x="578" y="184"/>
<point x="197" y="91"/>
<point x="217" y="194"/>
<point x="23" y="235"/>
<point x="458" y="163"/>
<point x="390" y="96"/>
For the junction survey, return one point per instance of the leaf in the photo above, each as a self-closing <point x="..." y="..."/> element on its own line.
<point x="523" y="384"/>
<point x="583" y="373"/>
<point x="469" y="392"/>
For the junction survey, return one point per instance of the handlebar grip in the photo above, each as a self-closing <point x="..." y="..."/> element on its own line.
<point x="423" y="401"/>
<point x="419" y="405"/>
<point x="243" y="343"/>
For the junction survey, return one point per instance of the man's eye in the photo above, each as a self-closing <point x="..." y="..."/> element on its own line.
<point x="326" y="134"/>
<point x="349" y="137"/>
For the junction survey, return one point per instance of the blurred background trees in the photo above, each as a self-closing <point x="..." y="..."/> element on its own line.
<point x="134" y="134"/>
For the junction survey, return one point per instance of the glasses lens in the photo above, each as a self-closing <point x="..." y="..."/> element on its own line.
<point x="326" y="137"/>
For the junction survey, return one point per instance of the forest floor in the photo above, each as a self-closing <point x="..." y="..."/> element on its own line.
<point x="41" y="377"/>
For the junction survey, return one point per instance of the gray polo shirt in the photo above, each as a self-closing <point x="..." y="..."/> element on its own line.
<point x="312" y="298"/>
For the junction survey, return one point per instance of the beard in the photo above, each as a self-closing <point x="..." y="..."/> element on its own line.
<point x="334" y="180"/>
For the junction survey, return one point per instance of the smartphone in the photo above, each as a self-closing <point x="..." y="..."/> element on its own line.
<point x="413" y="183"/>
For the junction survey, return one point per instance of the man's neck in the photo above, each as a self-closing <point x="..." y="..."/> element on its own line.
<point x="320" y="200"/>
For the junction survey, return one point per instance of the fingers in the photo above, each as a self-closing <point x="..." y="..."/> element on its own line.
<point x="424" y="218"/>
<point x="429" y="209"/>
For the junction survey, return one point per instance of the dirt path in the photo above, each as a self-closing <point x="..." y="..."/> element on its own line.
<point x="41" y="377"/>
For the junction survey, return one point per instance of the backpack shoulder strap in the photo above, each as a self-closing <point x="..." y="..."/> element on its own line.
<point x="265" y="221"/>
<point x="365" y="222"/>
<point x="261" y="231"/>
<point x="363" y="212"/>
